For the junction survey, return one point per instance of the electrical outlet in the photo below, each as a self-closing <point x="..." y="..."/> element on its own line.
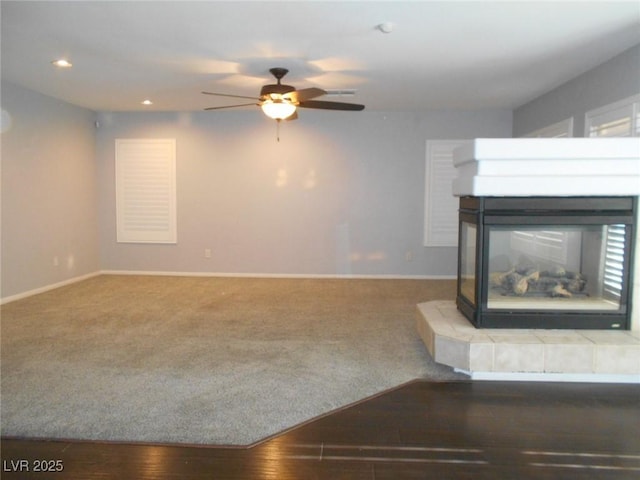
<point x="408" y="256"/>
<point x="207" y="253"/>
<point x="56" y="261"/>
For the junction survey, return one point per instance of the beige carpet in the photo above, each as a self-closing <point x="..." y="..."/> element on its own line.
<point x="205" y="360"/>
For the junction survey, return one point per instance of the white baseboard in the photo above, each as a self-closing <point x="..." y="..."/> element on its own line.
<point x="552" y="377"/>
<point x="53" y="286"/>
<point x="276" y="275"/>
<point x="46" y="288"/>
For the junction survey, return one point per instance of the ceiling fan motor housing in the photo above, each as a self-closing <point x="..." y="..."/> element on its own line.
<point x="276" y="88"/>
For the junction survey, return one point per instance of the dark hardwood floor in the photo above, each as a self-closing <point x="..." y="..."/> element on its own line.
<point x="463" y="430"/>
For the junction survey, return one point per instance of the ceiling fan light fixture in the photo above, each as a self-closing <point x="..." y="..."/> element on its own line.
<point x="278" y="109"/>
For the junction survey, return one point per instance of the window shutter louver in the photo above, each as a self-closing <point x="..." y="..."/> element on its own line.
<point x="614" y="260"/>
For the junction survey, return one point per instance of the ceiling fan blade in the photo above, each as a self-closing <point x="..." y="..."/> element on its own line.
<point x="231" y="106"/>
<point x="229" y="95"/>
<point x="305" y="94"/>
<point x="331" y="105"/>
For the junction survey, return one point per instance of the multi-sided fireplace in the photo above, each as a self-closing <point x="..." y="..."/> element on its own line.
<point x="546" y="262"/>
<point x="547" y="232"/>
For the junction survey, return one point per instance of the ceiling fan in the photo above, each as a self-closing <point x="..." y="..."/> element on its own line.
<point x="280" y="102"/>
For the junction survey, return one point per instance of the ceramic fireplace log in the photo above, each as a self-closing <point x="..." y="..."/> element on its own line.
<point x="548" y="283"/>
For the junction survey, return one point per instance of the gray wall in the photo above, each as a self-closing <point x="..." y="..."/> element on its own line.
<point x="609" y="82"/>
<point x="49" y="191"/>
<point x="341" y="193"/>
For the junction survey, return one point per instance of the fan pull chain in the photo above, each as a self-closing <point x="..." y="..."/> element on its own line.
<point x="278" y="129"/>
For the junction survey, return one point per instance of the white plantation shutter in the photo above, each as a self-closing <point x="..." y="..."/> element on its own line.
<point x="561" y="129"/>
<point x="619" y="119"/>
<point x="441" y="207"/>
<point x="146" y="190"/>
<point x="616" y="123"/>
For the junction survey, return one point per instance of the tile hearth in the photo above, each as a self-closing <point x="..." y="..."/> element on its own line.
<point x="527" y="354"/>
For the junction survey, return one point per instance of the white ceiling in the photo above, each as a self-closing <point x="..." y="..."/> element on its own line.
<point x="440" y="54"/>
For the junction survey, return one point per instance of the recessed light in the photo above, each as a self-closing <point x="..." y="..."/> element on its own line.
<point x="62" y="63"/>
<point x="147" y="102"/>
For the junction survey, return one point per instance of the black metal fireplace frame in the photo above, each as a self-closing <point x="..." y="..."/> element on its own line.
<point x="485" y="212"/>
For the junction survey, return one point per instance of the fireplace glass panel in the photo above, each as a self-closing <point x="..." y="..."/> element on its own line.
<point x="557" y="268"/>
<point x="468" y="235"/>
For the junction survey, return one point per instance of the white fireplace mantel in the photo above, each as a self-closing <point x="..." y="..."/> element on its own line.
<point x="548" y="167"/>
